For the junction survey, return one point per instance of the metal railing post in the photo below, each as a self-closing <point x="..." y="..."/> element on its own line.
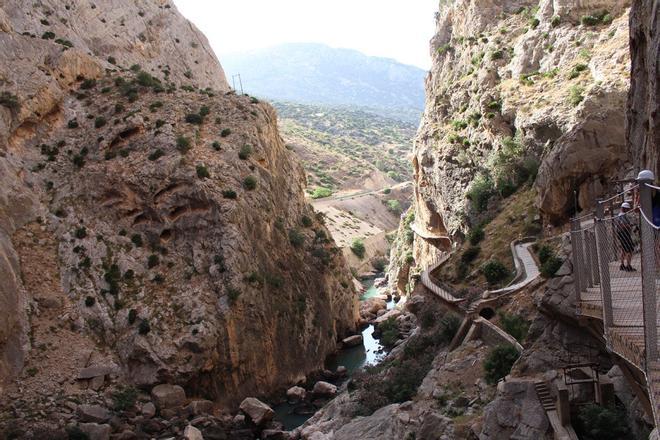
<point x="604" y="265"/>
<point x="594" y="256"/>
<point x="649" y="303"/>
<point x="577" y="259"/>
<point x="588" y="258"/>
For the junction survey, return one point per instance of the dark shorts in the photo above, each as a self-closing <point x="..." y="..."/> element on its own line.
<point x="625" y="238"/>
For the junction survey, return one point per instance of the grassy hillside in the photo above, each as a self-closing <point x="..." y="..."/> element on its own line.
<point x="345" y="149"/>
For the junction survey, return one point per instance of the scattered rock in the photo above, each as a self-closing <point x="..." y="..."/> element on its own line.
<point x="198" y="407"/>
<point x="353" y="341"/>
<point x="96" y="371"/>
<point x="296" y="393"/>
<point x="95" y="431"/>
<point x="322" y="388"/>
<point x="168" y="396"/>
<point x="192" y="433"/>
<point x="93" y="413"/>
<point x="148" y="410"/>
<point x="259" y="412"/>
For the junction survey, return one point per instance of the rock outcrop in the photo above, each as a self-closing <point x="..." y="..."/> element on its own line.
<point x="643" y="122"/>
<point x="149" y="217"/>
<point x="515" y="87"/>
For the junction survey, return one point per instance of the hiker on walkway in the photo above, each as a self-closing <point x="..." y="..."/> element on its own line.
<point x="623" y="227"/>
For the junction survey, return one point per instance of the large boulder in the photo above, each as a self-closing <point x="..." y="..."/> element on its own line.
<point x="296" y="393"/>
<point x="257" y="411"/>
<point x="93" y="413"/>
<point x="168" y="396"/>
<point x="322" y="388"/>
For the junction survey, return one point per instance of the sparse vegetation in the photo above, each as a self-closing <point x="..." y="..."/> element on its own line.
<point x="357" y="247"/>
<point x="296" y="238"/>
<point x="156" y="154"/>
<point x="124" y="399"/>
<point x="595" y="422"/>
<point x="250" y="183"/>
<point x="575" y="95"/>
<point x="245" y="152"/>
<point x="320" y="193"/>
<point x="144" y="327"/>
<point x="90" y="301"/>
<point x="495" y="271"/>
<point x="229" y="194"/>
<point x="515" y="325"/>
<point x="498" y="363"/>
<point x="183" y="144"/>
<point x="10" y="101"/>
<point x="203" y="172"/>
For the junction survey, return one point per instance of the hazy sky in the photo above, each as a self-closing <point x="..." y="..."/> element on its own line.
<point x="399" y="29"/>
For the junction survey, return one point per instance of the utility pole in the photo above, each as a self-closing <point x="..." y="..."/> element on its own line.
<point x="240" y="82"/>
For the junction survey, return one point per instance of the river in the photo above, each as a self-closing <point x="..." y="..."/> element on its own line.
<point x="353" y="359"/>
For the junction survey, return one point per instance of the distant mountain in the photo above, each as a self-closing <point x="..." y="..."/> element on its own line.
<point x="318" y="74"/>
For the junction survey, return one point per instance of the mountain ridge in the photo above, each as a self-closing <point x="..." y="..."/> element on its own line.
<point x="312" y="73"/>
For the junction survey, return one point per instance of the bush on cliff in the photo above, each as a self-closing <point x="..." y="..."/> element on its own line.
<point x="595" y="422"/>
<point x="494" y="271"/>
<point x="498" y="363"/>
<point x="357" y="247"/>
<point x="515" y="325"/>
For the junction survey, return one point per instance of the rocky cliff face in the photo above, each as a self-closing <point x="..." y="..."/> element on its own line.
<point x="643" y="122"/>
<point x="150" y="218"/>
<point x="517" y="87"/>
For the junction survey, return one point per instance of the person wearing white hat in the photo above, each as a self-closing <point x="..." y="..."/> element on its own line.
<point x="623" y="227"/>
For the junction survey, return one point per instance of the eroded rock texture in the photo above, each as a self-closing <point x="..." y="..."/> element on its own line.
<point x="133" y="233"/>
<point x="530" y="72"/>
<point x="643" y="128"/>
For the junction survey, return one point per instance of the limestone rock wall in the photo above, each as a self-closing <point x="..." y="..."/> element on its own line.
<point x="532" y="72"/>
<point x="643" y="118"/>
<point x="175" y="257"/>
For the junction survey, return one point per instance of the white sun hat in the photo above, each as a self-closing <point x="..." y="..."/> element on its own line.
<point x="625" y="205"/>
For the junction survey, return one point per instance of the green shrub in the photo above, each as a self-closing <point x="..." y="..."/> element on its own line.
<point x="495" y="271"/>
<point x="544" y="253"/>
<point x="595" y="422"/>
<point x="72" y="124"/>
<point x="480" y="192"/>
<point x="575" y="72"/>
<point x="357" y="247"/>
<point x="450" y="324"/>
<point x="48" y="35"/>
<point x="226" y="132"/>
<point x="64" y="42"/>
<point x="132" y="316"/>
<point x="80" y="232"/>
<point x="203" y="172"/>
<point x="555" y="21"/>
<point x="90" y="301"/>
<point x="216" y="146"/>
<point x="100" y="122"/>
<point x="144" y="327"/>
<point x="306" y="221"/>
<point x="137" y="240"/>
<point x="409" y="258"/>
<point x="475" y="235"/>
<point x="497" y="55"/>
<point x="194" y="118"/>
<point x="379" y="264"/>
<point x="146" y="80"/>
<point x="112" y="60"/>
<point x="10" y="101"/>
<point x="124" y="399"/>
<point x="320" y="193"/>
<point x="515" y="325"/>
<point x="590" y="20"/>
<point x="296" y="238"/>
<point x="156" y="154"/>
<point x="233" y="294"/>
<point x="204" y="111"/>
<point x="229" y="194"/>
<point x="245" y="152"/>
<point x="498" y="363"/>
<point x="534" y="22"/>
<point x="394" y="206"/>
<point x="183" y="144"/>
<point x="250" y="183"/>
<point x="575" y="95"/>
<point x="470" y="254"/>
<point x="88" y="84"/>
<point x="551" y="266"/>
<point x="153" y="261"/>
<point x="389" y="332"/>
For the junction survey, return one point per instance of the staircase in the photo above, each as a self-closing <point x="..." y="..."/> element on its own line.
<point x="543" y="393"/>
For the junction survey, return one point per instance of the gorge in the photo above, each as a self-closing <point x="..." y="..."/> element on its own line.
<point x="161" y="267"/>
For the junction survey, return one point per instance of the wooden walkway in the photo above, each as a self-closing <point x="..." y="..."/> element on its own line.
<point x="427" y="281"/>
<point x="626" y="336"/>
